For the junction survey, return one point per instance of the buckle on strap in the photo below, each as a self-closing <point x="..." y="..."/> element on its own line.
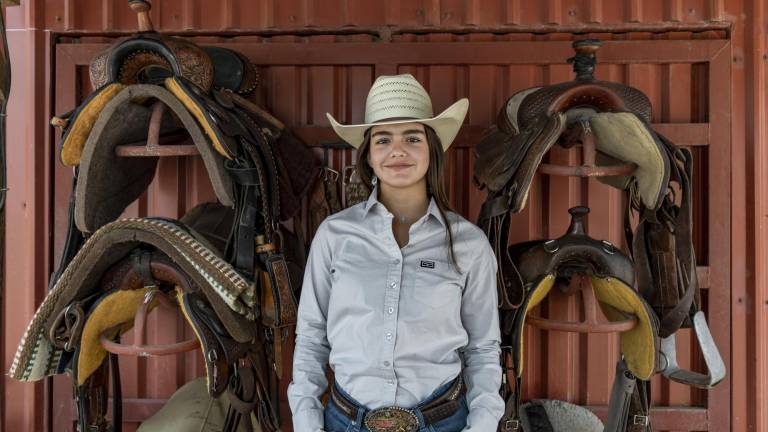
<point x="641" y="420"/>
<point x="511" y="425"/>
<point x="391" y="419"/>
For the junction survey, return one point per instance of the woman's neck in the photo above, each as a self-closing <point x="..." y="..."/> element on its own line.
<point x="406" y="204"/>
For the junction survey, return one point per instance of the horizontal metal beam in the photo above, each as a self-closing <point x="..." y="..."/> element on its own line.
<point x="386" y="32"/>
<point x="450" y="53"/>
<point x="685" y="134"/>
<point x="669" y="418"/>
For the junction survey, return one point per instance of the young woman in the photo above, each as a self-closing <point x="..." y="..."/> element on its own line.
<point x="399" y="294"/>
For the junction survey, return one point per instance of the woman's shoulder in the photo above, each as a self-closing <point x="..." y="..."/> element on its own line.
<point x="467" y="235"/>
<point x="342" y="220"/>
<point x="464" y="229"/>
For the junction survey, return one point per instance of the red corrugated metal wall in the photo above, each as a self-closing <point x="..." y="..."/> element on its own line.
<point x="686" y="74"/>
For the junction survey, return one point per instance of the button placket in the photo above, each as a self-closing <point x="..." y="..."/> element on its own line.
<point x="391" y="300"/>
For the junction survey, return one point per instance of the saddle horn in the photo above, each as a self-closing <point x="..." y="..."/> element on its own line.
<point x="142" y="7"/>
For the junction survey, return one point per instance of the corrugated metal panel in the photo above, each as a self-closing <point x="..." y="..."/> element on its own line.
<point x="572" y="367"/>
<point x="98" y="15"/>
<point x="30" y="206"/>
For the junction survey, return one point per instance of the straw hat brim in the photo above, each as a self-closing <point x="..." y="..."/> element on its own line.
<point x="446" y="125"/>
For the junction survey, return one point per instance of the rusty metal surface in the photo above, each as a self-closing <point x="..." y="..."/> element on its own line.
<point x="101" y="16"/>
<point x="729" y="191"/>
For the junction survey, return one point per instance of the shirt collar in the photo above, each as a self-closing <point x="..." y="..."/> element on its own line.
<point x="432" y="209"/>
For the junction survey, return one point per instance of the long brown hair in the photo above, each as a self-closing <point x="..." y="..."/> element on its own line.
<point x="435" y="179"/>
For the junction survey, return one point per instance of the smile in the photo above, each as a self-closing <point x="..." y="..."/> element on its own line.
<point x="398" y="167"/>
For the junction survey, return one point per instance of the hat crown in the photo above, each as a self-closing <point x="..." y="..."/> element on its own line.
<point x="397" y="96"/>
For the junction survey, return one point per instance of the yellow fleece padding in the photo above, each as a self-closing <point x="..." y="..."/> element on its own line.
<point x="115" y="309"/>
<point x="185" y="312"/>
<point x="81" y="128"/>
<point x="638" y="345"/>
<point x="173" y="85"/>
<point x="624" y="136"/>
<point x="535" y="297"/>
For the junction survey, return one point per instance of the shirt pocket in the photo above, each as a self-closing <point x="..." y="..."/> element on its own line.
<point x="436" y="284"/>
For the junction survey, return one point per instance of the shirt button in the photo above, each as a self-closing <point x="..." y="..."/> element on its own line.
<point x="393" y="284"/>
<point x="386" y="363"/>
<point x="389" y="336"/>
<point x="391" y="382"/>
<point x="391" y="310"/>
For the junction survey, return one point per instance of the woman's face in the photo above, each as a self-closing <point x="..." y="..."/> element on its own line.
<point x="399" y="154"/>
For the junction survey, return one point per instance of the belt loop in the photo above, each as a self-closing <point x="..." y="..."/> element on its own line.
<point x="358" y="423"/>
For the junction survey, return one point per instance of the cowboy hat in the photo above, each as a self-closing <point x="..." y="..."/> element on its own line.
<point x="398" y="99"/>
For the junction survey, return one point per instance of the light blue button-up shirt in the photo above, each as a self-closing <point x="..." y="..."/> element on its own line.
<point x="396" y="323"/>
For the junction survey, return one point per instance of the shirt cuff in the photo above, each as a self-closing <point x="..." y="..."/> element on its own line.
<point x="481" y="420"/>
<point x="310" y="420"/>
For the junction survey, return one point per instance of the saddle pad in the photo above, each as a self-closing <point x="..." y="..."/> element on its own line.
<point x="191" y="409"/>
<point x="617" y="300"/>
<point x="113" y="309"/>
<point x="231" y="296"/>
<point x="108" y="183"/>
<point x="82" y="121"/>
<point x="624" y="137"/>
<point x="640" y="344"/>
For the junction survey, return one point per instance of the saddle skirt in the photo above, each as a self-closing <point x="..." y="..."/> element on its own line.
<point x="108" y="183"/>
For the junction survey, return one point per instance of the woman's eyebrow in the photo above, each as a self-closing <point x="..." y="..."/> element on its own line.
<point x="413" y="131"/>
<point x="405" y="132"/>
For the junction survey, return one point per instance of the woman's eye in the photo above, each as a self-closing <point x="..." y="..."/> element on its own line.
<point x="382" y="141"/>
<point x="413" y="139"/>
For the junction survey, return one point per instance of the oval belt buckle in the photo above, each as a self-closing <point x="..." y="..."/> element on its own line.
<point x="391" y="419"/>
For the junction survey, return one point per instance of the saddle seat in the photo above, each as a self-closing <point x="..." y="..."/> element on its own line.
<point x="543" y="263"/>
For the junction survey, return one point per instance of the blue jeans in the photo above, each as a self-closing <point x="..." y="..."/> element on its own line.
<point x="336" y="421"/>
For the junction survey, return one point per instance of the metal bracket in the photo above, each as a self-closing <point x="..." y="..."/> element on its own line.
<point x="512" y="425"/>
<point x="712" y="358"/>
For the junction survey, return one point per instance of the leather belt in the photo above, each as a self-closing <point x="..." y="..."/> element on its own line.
<point x="403" y="419"/>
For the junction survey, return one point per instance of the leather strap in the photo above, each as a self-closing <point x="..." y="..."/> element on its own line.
<point x="74" y="240"/>
<point x="91" y="399"/>
<point x="117" y="393"/>
<point x="663" y="248"/>
<point x="624" y="384"/>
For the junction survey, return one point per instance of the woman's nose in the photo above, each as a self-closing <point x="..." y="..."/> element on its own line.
<point x="398" y="147"/>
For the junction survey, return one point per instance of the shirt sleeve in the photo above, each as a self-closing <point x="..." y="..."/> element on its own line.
<point x="482" y="370"/>
<point x="312" y="348"/>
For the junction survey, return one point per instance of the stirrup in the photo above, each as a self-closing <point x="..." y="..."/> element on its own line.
<point x="712" y="358"/>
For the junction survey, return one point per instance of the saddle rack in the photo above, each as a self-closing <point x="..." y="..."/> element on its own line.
<point x="139" y="346"/>
<point x="594" y="321"/>
<point x="582" y="136"/>
<point x="155" y="146"/>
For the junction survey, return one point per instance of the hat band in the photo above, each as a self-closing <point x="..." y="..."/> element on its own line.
<point x="391" y="119"/>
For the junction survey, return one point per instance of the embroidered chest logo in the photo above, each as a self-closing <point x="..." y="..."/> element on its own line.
<point x="427" y="264"/>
